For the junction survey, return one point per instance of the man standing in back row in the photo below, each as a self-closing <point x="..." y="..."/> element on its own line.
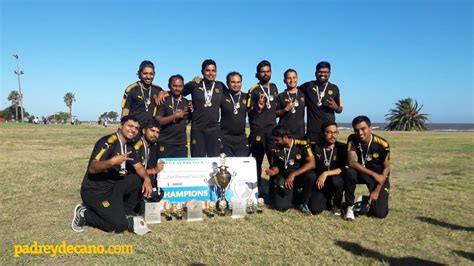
<point x="139" y="97"/>
<point x="173" y="117"/>
<point x="323" y="100"/>
<point x="262" y="116"/>
<point x="206" y="94"/>
<point x="234" y="112"/>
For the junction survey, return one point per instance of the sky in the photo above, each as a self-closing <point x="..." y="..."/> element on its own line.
<point x="380" y="51"/>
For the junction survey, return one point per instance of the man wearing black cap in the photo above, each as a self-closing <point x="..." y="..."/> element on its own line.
<point x="110" y="187"/>
<point x="290" y="172"/>
<point x="368" y="159"/>
<point x="261" y="106"/>
<point x="234" y="112"/>
<point x="173" y="116"/>
<point x="322" y="100"/>
<point x="206" y="94"/>
<point x="139" y="97"/>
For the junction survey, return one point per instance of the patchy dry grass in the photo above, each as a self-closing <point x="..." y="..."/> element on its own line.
<point x="431" y="218"/>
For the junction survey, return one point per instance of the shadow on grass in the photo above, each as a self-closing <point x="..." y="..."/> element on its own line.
<point x="465" y="254"/>
<point x="358" y="250"/>
<point x="445" y="224"/>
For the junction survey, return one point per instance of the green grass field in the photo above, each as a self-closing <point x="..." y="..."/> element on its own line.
<point x="431" y="216"/>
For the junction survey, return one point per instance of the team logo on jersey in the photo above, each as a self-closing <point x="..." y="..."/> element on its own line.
<point x="105" y="203"/>
<point x="139" y="97"/>
<point x="298" y="156"/>
<point x="318" y="155"/>
<point x="302" y="99"/>
<point x="193" y="141"/>
<point x="201" y="88"/>
<point x="291" y="162"/>
<point x="330" y="92"/>
<point x="376" y="155"/>
<point x="258" y="138"/>
<point x="216" y="90"/>
<point x="227" y="100"/>
<point x="244" y="101"/>
<point x="162" y="148"/>
<point x="369" y="157"/>
<point x="334" y="157"/>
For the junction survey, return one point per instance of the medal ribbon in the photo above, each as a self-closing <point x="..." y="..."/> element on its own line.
<point x="208" y="95"/>
<point x="287" y="156"/>
<point x="175" y="106"/>
<point x="327" y="161"/>
<point x="266" y="94"/>
<point x="233" y="102"/>
<point x="143" y="95"/>
<point x="292" y="100"/>
<point x="364" y="158"/>
<point x="147" y="152"/>
<point x="321" y="95"/>
<point x="123" y="150"/>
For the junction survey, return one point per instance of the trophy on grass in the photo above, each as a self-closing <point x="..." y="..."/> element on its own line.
<point x="178" y="210"/>
<point x="167" y="211"/>
<point x="210" y="208"/>
<point x="222" y="178"/>
<point x="260" y="205"/>
<point x="250" y="207"/>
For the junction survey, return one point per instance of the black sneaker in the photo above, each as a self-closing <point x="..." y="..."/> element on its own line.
<point x="79" y="220"/>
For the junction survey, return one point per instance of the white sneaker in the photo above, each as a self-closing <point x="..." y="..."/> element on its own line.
<point x="350" y="213"/>
<point x="78" y="221"/>
<point x="336" y="211"/>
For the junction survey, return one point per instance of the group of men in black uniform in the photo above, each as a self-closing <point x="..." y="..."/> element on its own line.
<point x="309" y="168"/>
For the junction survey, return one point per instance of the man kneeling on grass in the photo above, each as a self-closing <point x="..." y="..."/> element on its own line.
<point x="291" y="178"/>
<point x="368" y="159"/>
<point x="109" y="190"/>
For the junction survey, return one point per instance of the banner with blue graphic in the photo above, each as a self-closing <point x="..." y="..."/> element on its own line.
<point x="185" y="179"/>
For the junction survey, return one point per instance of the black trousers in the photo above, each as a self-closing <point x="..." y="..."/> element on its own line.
<point x="284" y="198"/>
<point x="235" y="146"/>
<point x="206" y="142"/>
<point x="172" y="151"/>
<point x="333" y="190"/>
<point x="378" y="208"/>
<point x="261" y="144"/>
<point x="107" y="211"/>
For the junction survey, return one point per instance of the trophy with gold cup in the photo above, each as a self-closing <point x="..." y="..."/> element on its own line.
<point x="167" y="210"/>
<point x="222" y="178"/>
<point x="260" y="205"/>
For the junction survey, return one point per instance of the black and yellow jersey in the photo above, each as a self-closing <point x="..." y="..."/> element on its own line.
<point x="336" y="157"/>
<point x="295" y="160"/>
<point x="373" y="156"/>
<point x="104" y="149"/>
<point x="204" y="116"/>
<point x="140" y="101"/>
<point x="173" y="133"/>
<point x="292" y="121"/>
<point x="319" y="115"/>
<point x="231" y="123"/>
<point x="266" y="120"/>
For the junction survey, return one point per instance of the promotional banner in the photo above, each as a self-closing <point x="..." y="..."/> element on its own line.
<point x="185" y="179"/>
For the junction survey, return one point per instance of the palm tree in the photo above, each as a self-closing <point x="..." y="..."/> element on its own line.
<point x="14" y="96"/>
<point x="68" y="99"/>
<point x="406" y="116"/>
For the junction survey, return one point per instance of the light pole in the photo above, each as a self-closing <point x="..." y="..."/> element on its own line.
<point x="19" y="72"/>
